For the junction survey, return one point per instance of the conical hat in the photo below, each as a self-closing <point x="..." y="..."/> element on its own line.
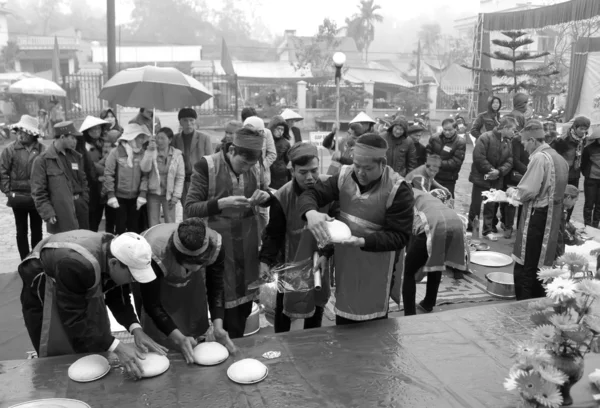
<point x="289" y="114"/>
<point x="90" y="122"/>
<point x="362" y="117"/>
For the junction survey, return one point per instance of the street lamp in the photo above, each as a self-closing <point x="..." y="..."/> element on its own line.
<point x="339" y="59"/>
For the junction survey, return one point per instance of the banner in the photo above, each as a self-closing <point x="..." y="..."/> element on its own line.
<point x="317" y="138"/>
<point x="589" y="99"/>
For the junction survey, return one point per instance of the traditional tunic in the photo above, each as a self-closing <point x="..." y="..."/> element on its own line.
<point x="238" y="227"/>
<point x="363" y="278"/>
<point x="300" y="245"/>
<point x="445" y="233"/>
<point x="65" y="320"/>
<point x="543" y="185"/>
<point x="183" y="294"/>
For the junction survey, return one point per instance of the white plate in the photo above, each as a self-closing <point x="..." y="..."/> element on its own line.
<point x="53" y="403"/>
<point x="490" y="258"/>
<point x="94" y="379"/>
<point x="248" y="382"/>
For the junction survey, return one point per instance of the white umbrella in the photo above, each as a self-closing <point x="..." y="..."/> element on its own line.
<point x="161" y="88"/>
<point x="37" y="86"/>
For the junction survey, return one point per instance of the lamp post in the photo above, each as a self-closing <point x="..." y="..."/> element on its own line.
<point x="339" y="59"/>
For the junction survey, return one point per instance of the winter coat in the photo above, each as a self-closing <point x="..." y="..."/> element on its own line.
<point x="120" y="180"/>
<point x="297" y="135"/>
<point x="567" y="147"/>
<point x="421" y="153"/>
<point x="520" y="156"/>
<point x="16" y="163"/>
<point x="279" y="170"/>
<point x="175" y="174"/>
<point x="590" y="160"/>
<point x="401" y="154"/>
<point x="52" y="192"/>
<point x="519" y="108"/>
<point x="452" y="151"/>
<point x="488" y="120"/>
<point x="201" y="146"/>
<point x="491" y="152"/>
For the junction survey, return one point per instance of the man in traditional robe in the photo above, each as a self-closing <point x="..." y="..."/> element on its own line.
<point x="285" y="234"/>
<point x="377" y="205"/>
<point x="541" y="191"/>
<point x="226" y="189"/>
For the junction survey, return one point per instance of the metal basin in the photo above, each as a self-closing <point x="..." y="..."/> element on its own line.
<point x="253" y="321"/>
<point x="500" y="285"/>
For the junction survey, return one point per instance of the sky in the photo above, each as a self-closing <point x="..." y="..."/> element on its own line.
<point x="306" y="15"/>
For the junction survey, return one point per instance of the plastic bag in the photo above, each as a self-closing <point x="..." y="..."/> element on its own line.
<point x="289" y="277"/>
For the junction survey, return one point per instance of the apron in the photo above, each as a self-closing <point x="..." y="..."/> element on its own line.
<point x="363" y="278"/>
<point x="300" y="245"/>
<point x="54" y="340"/>
<point x="558" y="182"/>
<point x="238" y="229"/>
<point x="182" y="293"/>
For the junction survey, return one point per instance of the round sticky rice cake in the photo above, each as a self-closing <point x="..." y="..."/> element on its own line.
<point x="210" y="353"/>
<point x="154" y="364"/>
<point x="338" y="231"/>
<point x="88" y="368"/>
<point x="247" y="371"/>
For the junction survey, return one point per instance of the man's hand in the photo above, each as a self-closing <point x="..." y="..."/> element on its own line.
<point x="130" y="358"/>
<point x="265" y="271"/>
<point x="494" y="174"/>
<point x="145" y="344"/>
<point x="141" y="201"/>
<point x="219" y="335"/>
<point x="113" y="202"/>
<point x="152" y="144"/>
<point x="185" y="344"/>
<point x="259" y="197"/>
<point x="233" y="202"/>
<point x="173" y="202"/>
<point x="354" y="241"/>
<point x="52" y="220"/>
<point x="336" y="156"/>
<point x="315" y="222"/>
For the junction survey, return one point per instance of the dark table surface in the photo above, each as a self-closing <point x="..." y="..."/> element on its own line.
<point x="457" y="358"/>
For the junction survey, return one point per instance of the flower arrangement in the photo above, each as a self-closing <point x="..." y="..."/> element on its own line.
<point x="552" y="361"/>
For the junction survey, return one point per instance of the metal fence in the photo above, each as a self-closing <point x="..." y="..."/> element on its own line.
<point x="452" y="97"/>
<point x="82" y="95"/>
<point x="223" y="88"/>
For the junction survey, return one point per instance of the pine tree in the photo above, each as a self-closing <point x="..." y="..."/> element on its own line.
<point x="523" y="79"/>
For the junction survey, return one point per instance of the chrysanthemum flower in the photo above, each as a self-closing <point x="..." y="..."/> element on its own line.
<point x="549" y="396"/>
<point x="544" y="334"/>
<point x="552" y="374"/>
<point x="589" y="287"/>
<point x="560" y="289"/>
<point x="530" y="384"/>
<point x="547" y="274"/>
<point x="564" y="322"/>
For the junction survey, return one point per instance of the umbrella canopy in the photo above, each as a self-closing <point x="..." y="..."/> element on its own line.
<point x="37" y="86"/>
<point x="161" y="88"/>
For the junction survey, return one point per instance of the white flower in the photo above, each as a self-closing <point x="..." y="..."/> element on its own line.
<point x="564" y="322"/>
<point x="547" y="274"/>
<point x="549" y="396"/>
<point x="561" y="289"/>
<point x="552" y="374"/>
<point x="589" y="287"/>
<point x="544" y="334"/>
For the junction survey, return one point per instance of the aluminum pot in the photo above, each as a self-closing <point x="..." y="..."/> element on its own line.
<point x="501" y="285"/>
<point x="253" y="321"/>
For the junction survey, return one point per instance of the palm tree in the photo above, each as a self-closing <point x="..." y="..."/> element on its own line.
<point x="367" y="17"/>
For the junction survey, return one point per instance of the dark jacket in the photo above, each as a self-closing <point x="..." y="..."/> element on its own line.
<point x="590" y="160"/>
<point x="486" y="121"/>
<point x="401" y="154"/>
<point x="16" y="163"/>
<point x="421" y="154"/>
<point x="519" y="108"/>
<point x="279" y="170"/>
<point x="200" y="146"/>
<point x="297" y="135"/>
<point x="52" y="190"/>
<point x="491" y="152"/>
<point x="567" y="146"/>
<point x="520" y="156"/>
<point x="452" y="151"/>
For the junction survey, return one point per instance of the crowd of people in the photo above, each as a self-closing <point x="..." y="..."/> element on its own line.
<point x="257" y="201"/>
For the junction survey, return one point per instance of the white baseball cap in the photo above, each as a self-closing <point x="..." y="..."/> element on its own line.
<point x="135" y="252"/>
<point x="257" y="123"/>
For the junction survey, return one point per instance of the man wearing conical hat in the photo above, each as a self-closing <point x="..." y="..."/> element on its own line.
<point x="15" y="171"/>
<point x="226" y="189"/>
